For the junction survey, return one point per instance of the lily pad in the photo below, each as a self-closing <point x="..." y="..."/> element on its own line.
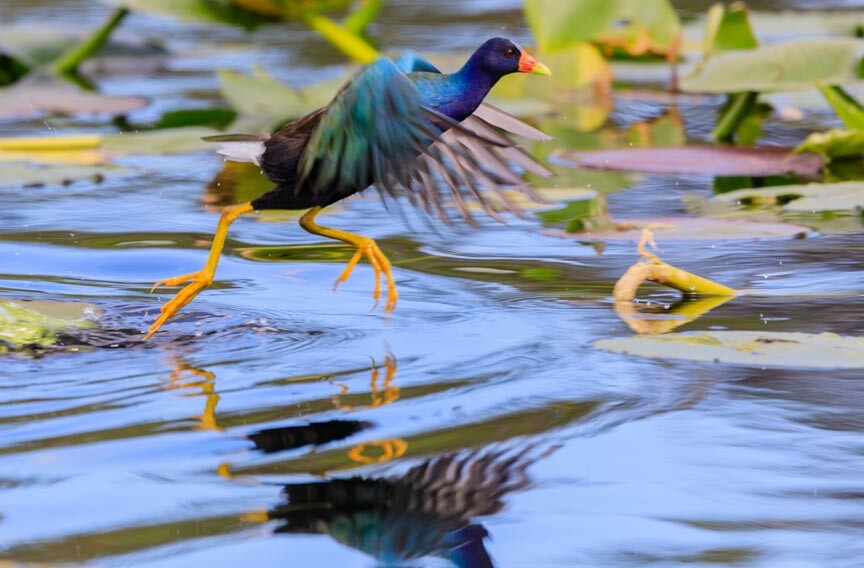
<point x="32" y="99"/>
<point x="700" y="160"/>
<point x="788" y="66"/>
<point x="808" y="197"/>
<point x="687" y="229"/>
<point x="162" y="142"/>
<point x="752" y="348"/>
<point x="263" y="102"/>
<point x="18" y="175"/>
<point x="27" y="323"/>
<point x="637" y="26"/>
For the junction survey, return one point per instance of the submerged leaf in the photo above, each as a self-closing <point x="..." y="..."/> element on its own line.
<point x="700" y="160"/>
<point x="24" y="323"/>
<point x="752" y="348"/>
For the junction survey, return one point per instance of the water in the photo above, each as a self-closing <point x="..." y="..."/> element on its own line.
<point x="145" y="454"/>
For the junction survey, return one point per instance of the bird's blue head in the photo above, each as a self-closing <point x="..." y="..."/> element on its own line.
<point x="500" y="56"/>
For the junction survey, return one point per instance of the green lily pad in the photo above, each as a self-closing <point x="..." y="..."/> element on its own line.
<point x="808" y="197"/>
<point x="787" y="66"/>
<point x="27" y="323"/>
<point x="689" y="229"/>
<point x="263" y="102"/>
<point x="631" y="24"/>
<point x="752" y="348"/>
<point x="700" y="160"/>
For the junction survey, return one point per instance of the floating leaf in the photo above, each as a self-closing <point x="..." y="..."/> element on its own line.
<point x="75" y="149"/>
<point x="31" y="99"/>
<point x="752" y="348"/>
<point x="18" y="175"/>
<point x="263" y="102"/>
<point x="162" y="142"/>
<point x="688" y="229"/>
<point x="809" y="197"/>
<point x="700" y="160"/>
<point x="787" y="66"/>
<point x="25" y="323"/>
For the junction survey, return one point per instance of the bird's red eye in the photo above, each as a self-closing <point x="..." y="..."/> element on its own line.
<point x="510" y="52"/>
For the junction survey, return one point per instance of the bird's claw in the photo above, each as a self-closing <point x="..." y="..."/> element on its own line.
<point x="199" y="281"/>
<point x="380" y="264"/>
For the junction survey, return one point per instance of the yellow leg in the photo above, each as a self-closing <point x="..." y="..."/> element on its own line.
<point x="204" y="277"/>
<point x="365" y="247"/>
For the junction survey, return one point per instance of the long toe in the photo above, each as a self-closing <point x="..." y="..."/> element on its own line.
<point x="176" y="303"/>
<point x="175" y="280"/>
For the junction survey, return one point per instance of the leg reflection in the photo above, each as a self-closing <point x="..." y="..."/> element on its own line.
<point x="205" y="381"/>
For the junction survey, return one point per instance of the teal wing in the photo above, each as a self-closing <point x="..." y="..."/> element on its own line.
<point x="376" y="130"/>
<point x="410" y="62"/>
<point x="373" y="126"/>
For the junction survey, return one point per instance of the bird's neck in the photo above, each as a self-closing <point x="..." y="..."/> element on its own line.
<point x="474" y="83"/>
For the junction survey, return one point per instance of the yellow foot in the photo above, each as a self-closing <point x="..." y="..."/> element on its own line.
<point x="198" y="281"/>
<point x="369" y="248"/>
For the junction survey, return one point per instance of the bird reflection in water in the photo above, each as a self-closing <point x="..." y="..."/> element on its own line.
<point x="426" y="511"/>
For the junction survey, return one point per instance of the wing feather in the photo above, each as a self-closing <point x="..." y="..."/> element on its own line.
<point x="377" y="130"/>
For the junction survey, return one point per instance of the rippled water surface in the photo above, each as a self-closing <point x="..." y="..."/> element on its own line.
<point x="275" y="422"/>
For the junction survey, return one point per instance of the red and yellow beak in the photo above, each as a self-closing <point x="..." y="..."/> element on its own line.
<point x="527" y="64"/>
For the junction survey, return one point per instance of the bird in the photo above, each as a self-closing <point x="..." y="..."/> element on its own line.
<point x="400" y="125"/>
<point x="429" y="510"/>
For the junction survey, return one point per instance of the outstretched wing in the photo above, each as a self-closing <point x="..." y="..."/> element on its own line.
<point x="372" y="128"/>
<point x="410" y="62"/>
<point x="376" y="130"/>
